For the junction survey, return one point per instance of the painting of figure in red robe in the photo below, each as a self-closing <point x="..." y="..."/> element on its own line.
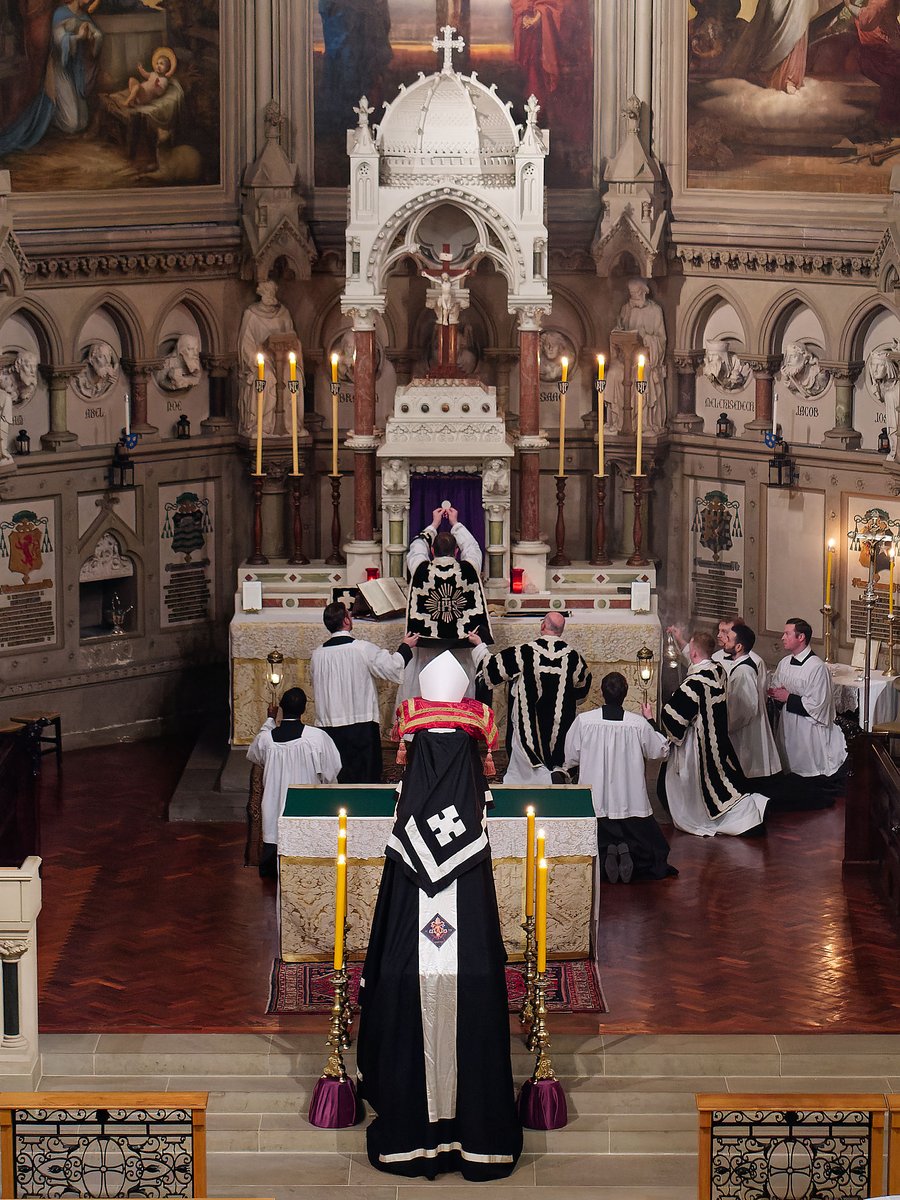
<point x="793" y="95"/>
<point x="98" y="94"/>
<point x="540" y="47"/>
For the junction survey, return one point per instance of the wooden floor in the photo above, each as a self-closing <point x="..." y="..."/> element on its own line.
<point x="148" y="925"/>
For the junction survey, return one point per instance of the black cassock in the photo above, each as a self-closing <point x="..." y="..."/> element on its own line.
<point x="433" y="1050"/>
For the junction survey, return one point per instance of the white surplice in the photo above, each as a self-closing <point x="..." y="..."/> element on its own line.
<point x="610" y="755"/>
<point x="809" y="745"/>
<point x="312" y="758"/>
<point x="342" y="672"/>
<point x="748" y="722"/>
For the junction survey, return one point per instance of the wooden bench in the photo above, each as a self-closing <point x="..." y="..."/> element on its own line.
<point x="45" y="718"/>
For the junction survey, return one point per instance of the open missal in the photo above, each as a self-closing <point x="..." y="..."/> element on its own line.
<point x="380" y="598"/>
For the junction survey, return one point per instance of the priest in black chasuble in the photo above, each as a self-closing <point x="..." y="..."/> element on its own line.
<point x="446" y="599"/>
<point x="433" y="1048"/>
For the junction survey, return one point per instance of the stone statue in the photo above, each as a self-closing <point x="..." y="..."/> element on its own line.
<point x="495" y="480"/>
<point x="394" y="476"/>
<point x="554" y="347"/>
<point x="723" y="369"/>
<point x="641" y="315"/>
<point x="801" y="372"/>
<point x="261" y="319"/>
<point x="99" y="373"/>
<point x="21" y="376"/>
<point x="883" y="382"/>
<point x="182" y="368"/>
<point x="7" y="399"/>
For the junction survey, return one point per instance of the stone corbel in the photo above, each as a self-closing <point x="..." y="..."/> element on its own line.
<point x="363" y="315"/>
<point x="529" y="316"/>
<point x="845" y="375"/>
<point x="363" y="443"/>
<point x="532" y="442"/>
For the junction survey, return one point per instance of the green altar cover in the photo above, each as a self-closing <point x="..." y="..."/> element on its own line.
<point x="377" y="800"/>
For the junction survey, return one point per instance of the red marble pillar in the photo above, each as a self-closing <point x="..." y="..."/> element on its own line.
<point x="364" y="427"/>
<point x="139" y="374"/>
<point x="763" y="373"/>
<point x="529" y="427"/>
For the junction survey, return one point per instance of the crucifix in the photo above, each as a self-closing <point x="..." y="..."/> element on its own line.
<point x="447" y="298"/>
<point x="448" y="44"/>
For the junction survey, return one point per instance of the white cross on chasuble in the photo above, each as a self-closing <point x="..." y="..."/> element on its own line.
<point x="447" y="825"/>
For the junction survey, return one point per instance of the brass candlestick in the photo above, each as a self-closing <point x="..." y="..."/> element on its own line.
<point x="335" y="1068"/>
<point x="335" y="558"/>
<point x="889" y="671"/>
<point x="540" y="1039"/>
<point x="601" y="558"/>
<point x="526" y="1012"/>
<point x="346" y="1006"/>
<point x="257" y="558"/>
<point x="828" y="615"/>
<point x="560" y="558"/>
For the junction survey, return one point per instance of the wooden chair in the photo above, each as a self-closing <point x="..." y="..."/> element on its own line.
<point x="892" y="729"/>
<point x="53" y="740"/>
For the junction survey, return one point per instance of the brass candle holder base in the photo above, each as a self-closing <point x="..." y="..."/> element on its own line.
<point x="828" y="615"/>
<point x="540" y="1039"/>
<point x="335" y="1068"/>
<point x="526" y="1012"/>
<point x="889" y="672"/>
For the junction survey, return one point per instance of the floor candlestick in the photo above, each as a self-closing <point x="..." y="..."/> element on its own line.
<point x="257" y="558"/>
<point x="601" y="558"/>
<point x="560" y="558"/>
<point x="335" y="558"/>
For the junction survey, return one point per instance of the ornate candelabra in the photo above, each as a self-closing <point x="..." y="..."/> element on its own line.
<point x="876" y="531"/>
<point x="526" y="1012"/>
<point x="335" y="558"/>
<point x="828" y="616"/>
<point x="560" y="558"/>
<point x="637" y="558"/>
<point x="257" y="558"/>
<point x="889" y="671"/>
<point x="601" y="558"/>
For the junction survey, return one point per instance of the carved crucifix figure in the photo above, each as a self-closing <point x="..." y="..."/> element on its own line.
<point x="447" y="298"/>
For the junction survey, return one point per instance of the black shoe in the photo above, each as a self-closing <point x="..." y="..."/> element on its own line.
<point x="626" y="865"/>
<point x="611" y="864"/>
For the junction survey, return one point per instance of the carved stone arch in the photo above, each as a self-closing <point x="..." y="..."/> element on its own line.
<point x="43" y="325"/>
<point x="108" y="521"/>
<point x="207" y="321"/>
<point x="776" y="318"/>
<point x="890" y="278"/>
<point x="857" y="326"/>
<point x="324" y="314"/>
<point x="586" y="335"/>
<point x="125" y="318"/>
<point x="288" y="242"/>
<point x="693" y="319"/>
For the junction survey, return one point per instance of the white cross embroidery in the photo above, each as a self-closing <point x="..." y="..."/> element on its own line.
<point x="446" y="825"/>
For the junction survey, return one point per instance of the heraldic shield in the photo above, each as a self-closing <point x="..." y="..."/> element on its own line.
<point x="446" y="602"/>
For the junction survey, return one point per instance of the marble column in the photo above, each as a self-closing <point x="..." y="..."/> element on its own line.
<point x="218" y="368"/>
<point x="530" y="552"/>
<point x="363" y="550"/>
<point x="503" y="358"/>
<point x="59" y="437"/>
<point x="687" y="419"/>
<point x="843" y="434"/>
<point x="764" y="368"/>
<point x="139" y="373"/>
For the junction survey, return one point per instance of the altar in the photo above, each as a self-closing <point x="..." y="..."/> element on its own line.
<point x="307" y="841"/>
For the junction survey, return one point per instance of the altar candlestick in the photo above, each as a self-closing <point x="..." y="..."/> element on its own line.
<point x="562" y="433"/>
<point x="127" y="415"/>
<point x="891" y="581"/>
<point x="334" y="415"/>
<point x="340" y="910"/>
<point x="529" y="861"/>
<point x="261" y="371"/>
<point x="601" y="376"/>
<point x="829" y="560"/>
<point x="295" y="449"/>
<point x="640" y="416"/>
<point x="540" y="920"/>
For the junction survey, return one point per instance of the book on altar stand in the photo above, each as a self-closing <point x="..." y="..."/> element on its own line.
<point x="381" y="599"/>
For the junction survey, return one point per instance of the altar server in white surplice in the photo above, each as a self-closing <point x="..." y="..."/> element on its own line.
<point x="748" y="722"/>
<point x="609" y="746"/>
<point x="810" y="742"/>
<point x="291" y="754"/>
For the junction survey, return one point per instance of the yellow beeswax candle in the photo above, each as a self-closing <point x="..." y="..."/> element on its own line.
<point x="529" y="861"/>
<point x="540" y="921"/>
<point x="340" y="910"/>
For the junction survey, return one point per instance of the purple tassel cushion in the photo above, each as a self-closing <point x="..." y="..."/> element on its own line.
<point x="542" y="1104"/>
<point x="334" y="1104"/>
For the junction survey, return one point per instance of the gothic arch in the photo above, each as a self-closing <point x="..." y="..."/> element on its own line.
<point x="43" y="325"/>
<point x="693" y="320"/>
<point x="857" y="325"/>
<point x="123" y="315"/>
<point x="780" y="311"/>
<point x="203" y="314"/>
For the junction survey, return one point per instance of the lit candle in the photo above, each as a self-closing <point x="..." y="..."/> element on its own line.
<point x="891" y="581"/>
<point x="565" y="368"/>
<point x="295" y="449"/>
<point x="539" y="853"/>
<point x="540" y="919"/>
<point x="601" y="460"/>
<point x="529" y="861"/>
<point x="127" y="414"/>
<point x="601" y="367"/>
<point x="342" y="842"/>
<point x="829" y="559"/>
<point x="342" y="820"/>
<point x="775" y="415"/>
<point x="340" y="910"/>
<point x="261" y="369"/>
<point x="562" y="420"/>
<point x="640" y="417"/>
<point x="334" y="417"/>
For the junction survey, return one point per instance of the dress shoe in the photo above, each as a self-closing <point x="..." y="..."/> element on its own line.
<point x="611" y="864"/>
<point x="626" y="865"/>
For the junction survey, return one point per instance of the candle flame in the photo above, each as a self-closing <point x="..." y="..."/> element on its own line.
<point x="342" y="860"/>
<point x="260" y="359"/>
<point x="292" y="358"/>
<point x="541" y="833"/>
<point x="334" y="360"/>
<point x="542" y="865"/>
<point x="831" y="545"/>
<point x="342" y="812"/>
<point x="530" y="810"/>
<point x="641" y="360"/>
<point x="601" y="359"/>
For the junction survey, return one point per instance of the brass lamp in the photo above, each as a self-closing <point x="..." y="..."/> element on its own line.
<point x="275" y="673"/>
<point x="645" y="670"/>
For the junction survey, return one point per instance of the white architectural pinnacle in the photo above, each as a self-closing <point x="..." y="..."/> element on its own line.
<point x="448" y="44"/>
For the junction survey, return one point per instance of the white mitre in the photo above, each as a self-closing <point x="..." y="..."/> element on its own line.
<point x="443" y="679"/>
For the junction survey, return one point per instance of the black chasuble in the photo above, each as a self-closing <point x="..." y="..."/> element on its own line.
<point x="433" y="1049"/>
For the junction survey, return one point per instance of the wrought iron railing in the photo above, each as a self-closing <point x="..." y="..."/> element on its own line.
<point x="791" y="1147"/>
<point x="134" y="1144"/>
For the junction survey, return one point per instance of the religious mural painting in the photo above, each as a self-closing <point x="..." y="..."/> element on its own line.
<point x="103" y="94"/>
<point x="27" y="574"/>
<point x="187" y="553"/>
<point x="793" y="95"/>
<point x="878" y="516"/>
<point x="717" y="548"/>
<point x="540" y="47"/>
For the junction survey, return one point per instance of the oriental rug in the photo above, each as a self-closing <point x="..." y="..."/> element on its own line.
<point x="573" y="986"/>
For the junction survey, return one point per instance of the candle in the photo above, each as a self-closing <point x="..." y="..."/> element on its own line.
<point x="562" y="421"/>
<point x="891" y="581"/>
<point x="529" y="861"/>
<point x="601" y="367"/>
<point x="340" y="910"/>
<point x="334" y="416"/>
<point x="640" y="416"/>
<point x="342" y="842"/>
<point x="295" y="449"/>
<point x="775" y="415"/>
<point x="829" y="559"/>
<point x="539" y="853"/>
<point x="342" y="820"/>
<point x="127" y="414"/>
<point x="565" y="368"/>
<point x="334" y="366"/>
<point x="540" y="920"/>
<point x="261" y="367"/>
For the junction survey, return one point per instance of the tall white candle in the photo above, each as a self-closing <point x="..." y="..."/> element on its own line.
<point x="775" y="414"/>
<point x="127" y="415"/>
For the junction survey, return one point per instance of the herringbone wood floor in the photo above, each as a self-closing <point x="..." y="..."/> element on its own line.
<point x="150" y="925"/>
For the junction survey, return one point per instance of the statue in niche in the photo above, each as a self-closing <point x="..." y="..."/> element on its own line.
<point x="642" y="315"/>
<point x="723" y="369"/>
<point x="261" y="319"/>
<point x="7" y="399"/>
<point x="394" y="476"/>
<point x="181" y="368"/>
<point x="21" y="376"/>
<point x="495" y="481"/>
<point x="883" y="382"/>
<point x="800" y="370"/>
<point x="99" y="372"/>
<point x="555" y="346"/>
